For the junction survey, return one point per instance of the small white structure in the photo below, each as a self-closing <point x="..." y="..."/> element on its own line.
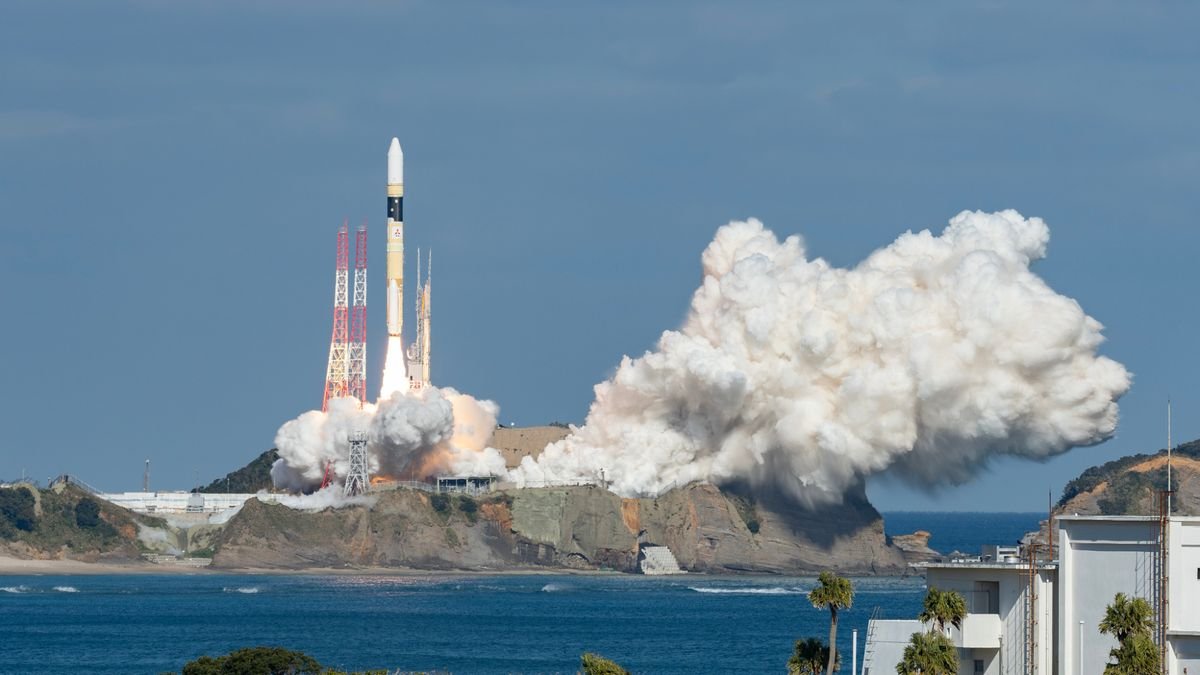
<point x="659" y="560"/>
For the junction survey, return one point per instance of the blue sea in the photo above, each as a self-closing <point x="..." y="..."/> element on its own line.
<point x="459" y="624"/>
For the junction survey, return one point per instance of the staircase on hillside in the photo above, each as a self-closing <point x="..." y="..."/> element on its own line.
<point x="658" y="560"/>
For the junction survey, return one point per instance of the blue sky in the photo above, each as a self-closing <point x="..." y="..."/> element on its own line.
<point x="172" y="174"/>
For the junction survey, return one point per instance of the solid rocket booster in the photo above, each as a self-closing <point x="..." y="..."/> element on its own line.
<point x="395" y="239"/>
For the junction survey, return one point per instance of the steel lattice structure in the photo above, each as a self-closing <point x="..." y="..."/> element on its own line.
<point x="358" y="479"/>
<point x="357" y="355"/>
<point x="336" y="384"/>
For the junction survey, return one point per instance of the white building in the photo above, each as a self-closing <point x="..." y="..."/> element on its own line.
<point x="1098" y="557"/>
<point x="992" y="640"/>
<point x="1101" y="556"/>
<point x="182" y="502"/>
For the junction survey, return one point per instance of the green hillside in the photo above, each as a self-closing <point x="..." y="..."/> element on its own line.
<point x="251" y="478"/>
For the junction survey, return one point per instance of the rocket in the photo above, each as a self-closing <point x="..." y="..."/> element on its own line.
<point x="395" y="239"/>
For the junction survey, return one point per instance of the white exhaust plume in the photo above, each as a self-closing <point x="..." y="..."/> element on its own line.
<point x="411" y="435"/>
<point x="930" y="357"/>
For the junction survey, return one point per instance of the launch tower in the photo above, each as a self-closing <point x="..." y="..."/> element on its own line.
<point x="418" y="351"/>
<point x="336" y="373"/>
<point x="346" y="372"/>
<point x="358" y="479"/>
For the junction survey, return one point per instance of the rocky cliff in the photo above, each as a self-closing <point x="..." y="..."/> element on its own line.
<point x="576" y="527"/>
<point x="1130" y="485"/>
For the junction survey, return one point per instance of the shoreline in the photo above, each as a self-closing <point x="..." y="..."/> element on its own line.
<point x="10" y="566"/>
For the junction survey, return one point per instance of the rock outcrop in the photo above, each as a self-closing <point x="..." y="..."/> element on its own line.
<point x="915" y="547"/>
<point x="572" y="528"/>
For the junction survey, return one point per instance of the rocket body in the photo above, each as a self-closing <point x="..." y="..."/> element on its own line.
<point x="395" y="240"/>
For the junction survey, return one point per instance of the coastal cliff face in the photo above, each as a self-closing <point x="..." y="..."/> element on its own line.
<point x="572" y="527"/>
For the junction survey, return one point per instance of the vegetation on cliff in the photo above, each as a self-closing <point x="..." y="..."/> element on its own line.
<point x="68" y="521"/>
<point x="1125" y="488"/>
<point x="251" y="478"/>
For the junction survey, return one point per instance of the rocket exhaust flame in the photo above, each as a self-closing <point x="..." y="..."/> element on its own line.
<point x="395" y="370"/>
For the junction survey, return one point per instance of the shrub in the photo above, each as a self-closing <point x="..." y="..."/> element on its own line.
<point x="16" y="507"/>
<point x="440" y="502"/>
<point x="258" y="660"/>
<point x="466" y="504"/>
<point x="87" y="513"/>
<point x="594" y="664"/>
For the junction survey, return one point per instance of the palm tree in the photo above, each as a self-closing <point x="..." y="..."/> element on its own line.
<point x="1125" y="617"/>
<point x="1128" y="620"/>
<point x="1138" y="655"/>
<point x="929" y="654"/>
<point x="809" y="657"/>
<point x="835" y="593"/>
<point x="943" y="607"/>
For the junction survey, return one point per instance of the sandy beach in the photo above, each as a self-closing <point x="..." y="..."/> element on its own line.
<point x="18" y="566"/>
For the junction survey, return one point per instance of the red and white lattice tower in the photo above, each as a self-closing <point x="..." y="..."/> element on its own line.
<point x="336" y="381"/>
<point x="357" y="367"/>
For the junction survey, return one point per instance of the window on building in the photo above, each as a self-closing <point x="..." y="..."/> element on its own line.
<point x="978" y="665"/>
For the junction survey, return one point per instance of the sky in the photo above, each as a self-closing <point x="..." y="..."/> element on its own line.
<point x="172" y="175"/>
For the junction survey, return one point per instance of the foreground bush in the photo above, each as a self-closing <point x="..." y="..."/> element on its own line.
<point x="594" y="664"/>
<point x="255" y="661"/>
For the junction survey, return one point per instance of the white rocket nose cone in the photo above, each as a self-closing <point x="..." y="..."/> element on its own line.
<point x="395" y="163"/>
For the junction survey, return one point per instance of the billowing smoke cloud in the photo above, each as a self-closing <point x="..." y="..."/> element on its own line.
<point x="933" y="355"/>
<point x="411" y="435"/>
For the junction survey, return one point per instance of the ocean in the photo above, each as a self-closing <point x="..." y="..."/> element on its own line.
<point x="460" y="624"/>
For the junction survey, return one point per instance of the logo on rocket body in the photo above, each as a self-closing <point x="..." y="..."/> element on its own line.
<point x="395" y="239"/>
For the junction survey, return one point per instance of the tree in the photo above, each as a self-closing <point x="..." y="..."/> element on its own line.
<point x="1138" y="655"/>
<point x="835" y="593"/>
<point x="17" y="507"/>
<point x="942" y="608"/>
<point x="929" y="654"/>
<point x="256" y="661"/>
<point x="87" y="513"/>
<point x="809" y="657"/>
<point x="594" y="664"/>
<point x="1129" y="621"/>
<point x="1126" y="616"/>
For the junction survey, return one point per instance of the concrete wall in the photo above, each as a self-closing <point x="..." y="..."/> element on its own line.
<point x="1184" y="560"/>
<point x="1185" y="655"/>
<point x="886" y="641"/>
<point x="1098" y="559"/>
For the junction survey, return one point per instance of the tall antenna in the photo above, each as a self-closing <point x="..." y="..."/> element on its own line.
<point x="336" y="385"/>
<point x="1168" y="455"/>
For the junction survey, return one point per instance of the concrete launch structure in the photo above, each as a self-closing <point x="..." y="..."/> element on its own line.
<point x="414" y="360"/>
